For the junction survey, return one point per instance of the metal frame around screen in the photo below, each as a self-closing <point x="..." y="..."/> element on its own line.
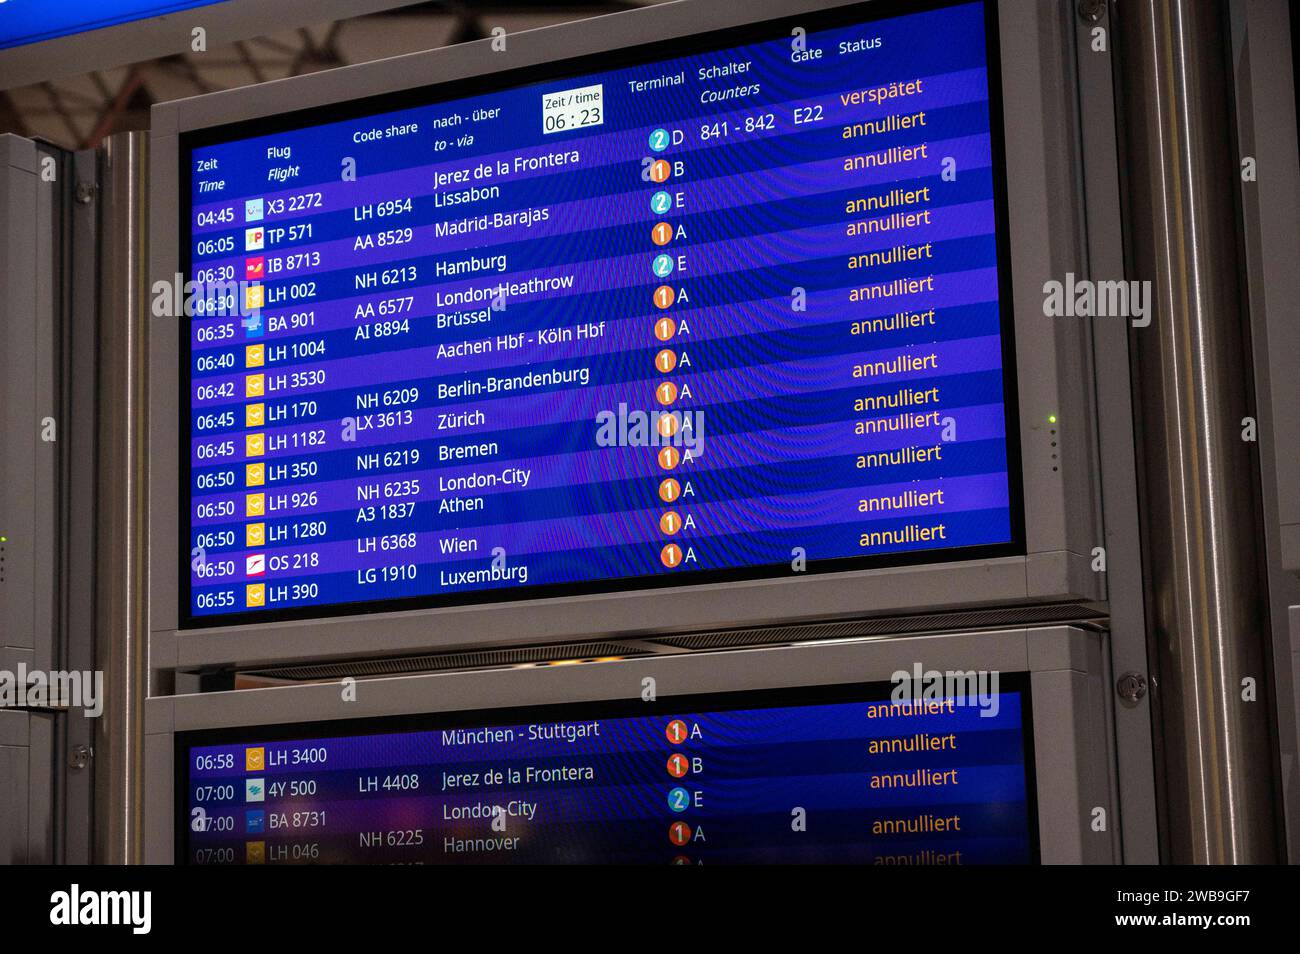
<point x="1052" y="369"/>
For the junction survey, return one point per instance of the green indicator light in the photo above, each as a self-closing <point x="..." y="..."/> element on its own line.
<point x="1051" y="419"/>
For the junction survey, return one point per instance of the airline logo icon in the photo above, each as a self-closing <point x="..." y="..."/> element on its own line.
<point x="254" y="239"/>
<point x="254" y="475"/>
<point x="255" y="385"/>
<point x="255" y="790"/>
<point x="255" y="596"/>
<point x="255" y="535"/>
<point x="255" y="268"/>
<point x="254" y="415"/>
<point x="255" y="821"/>
<point x="253" y="326"/>
<point x="255" y="505"/>
<point x="254" y="209"/>
<point x="254" y="759"/>
<point x="254" y="297"/>
<point x="255" y="852"/>
<point x="255" y="564"/>
<point x="254" y="445"/>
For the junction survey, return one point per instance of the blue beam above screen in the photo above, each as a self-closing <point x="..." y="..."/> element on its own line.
<point x="727" y="307"/>
<point x="840" y="775"/>
<point x="32" y="21"/>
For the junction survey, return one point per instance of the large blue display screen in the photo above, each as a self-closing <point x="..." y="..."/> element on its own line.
<point x="30" y="21"/>
<point x="749" y="779"/>
<point x="735" y="308"/>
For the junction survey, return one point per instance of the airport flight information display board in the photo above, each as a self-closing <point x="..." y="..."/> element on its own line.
<point x="718" y="308"/>
<point x="851" y="777"/>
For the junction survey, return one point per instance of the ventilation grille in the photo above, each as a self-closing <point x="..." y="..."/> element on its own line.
<point x="403" y="665"/>
<point x="723" y="639"/>
<point x="883" y="626"/>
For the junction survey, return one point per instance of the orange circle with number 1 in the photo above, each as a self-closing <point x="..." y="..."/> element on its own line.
<point x="679" y="833"/>
<point x="661" y="234"/>
<point x="678" y="766"/>
<point x="660" y="170"/>
<point x="670" y="522"/>
<point x="668" y="424"/>
<point x="665" y="328"/>
<point x="669" y="490"/>
<point x="666" y="393"/>
<point x="676" y="732"/>
<point x="671" y="555"/>
<point x="664" y="296"/>
<point x="669" y="457"/>
<point x="666" y="360"/>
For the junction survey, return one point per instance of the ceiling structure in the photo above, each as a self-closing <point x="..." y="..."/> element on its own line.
<point x="77" y="112"/>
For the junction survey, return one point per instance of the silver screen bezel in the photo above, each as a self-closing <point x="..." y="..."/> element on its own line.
<point x="1058" y="471"/>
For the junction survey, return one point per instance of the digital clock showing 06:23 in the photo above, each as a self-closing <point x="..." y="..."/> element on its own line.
<point x="573" y="109"/>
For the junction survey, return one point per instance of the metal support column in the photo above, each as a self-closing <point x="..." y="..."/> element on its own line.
<point x="1208" y="617"/>
<point x="122" y="546"/>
